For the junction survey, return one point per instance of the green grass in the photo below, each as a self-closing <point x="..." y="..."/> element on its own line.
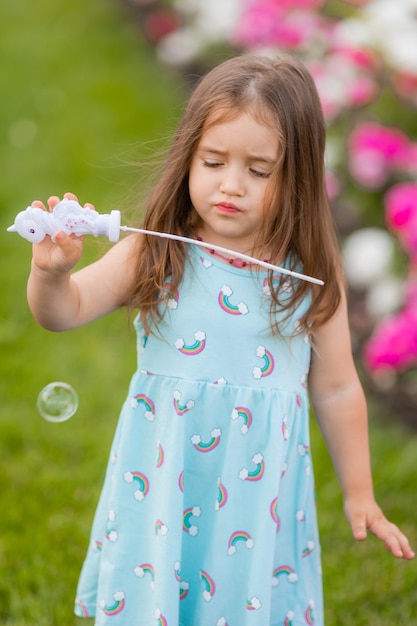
<point x="80" y="91"/>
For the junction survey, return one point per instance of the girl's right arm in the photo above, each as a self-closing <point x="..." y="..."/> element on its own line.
<point x="61" y="300"/>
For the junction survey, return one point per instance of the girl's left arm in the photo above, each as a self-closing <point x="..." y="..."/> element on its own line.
<point x="340" y="408"/>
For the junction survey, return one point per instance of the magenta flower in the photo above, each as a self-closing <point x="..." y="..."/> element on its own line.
<point x="375" y="150"/>
<point x="401" y="215"/>
<point x="394" y="343"/>
<point x="357" y="3"/>
<point x="281" y="23"/>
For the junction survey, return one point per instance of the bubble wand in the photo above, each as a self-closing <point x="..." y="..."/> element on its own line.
<point x="34" y="224"/>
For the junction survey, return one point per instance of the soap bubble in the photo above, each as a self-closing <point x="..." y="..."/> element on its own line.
<point x="57" y="402"/>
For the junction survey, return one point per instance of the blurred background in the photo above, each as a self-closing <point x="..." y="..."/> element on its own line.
<point x="90" y="92"/>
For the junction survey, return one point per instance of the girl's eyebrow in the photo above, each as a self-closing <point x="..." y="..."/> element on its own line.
<point x="251" y="157"/>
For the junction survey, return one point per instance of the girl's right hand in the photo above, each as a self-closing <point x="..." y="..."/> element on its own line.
<point x="60" y="256"/>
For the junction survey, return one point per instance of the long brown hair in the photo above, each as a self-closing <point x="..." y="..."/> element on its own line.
<point x="297" y="224"/>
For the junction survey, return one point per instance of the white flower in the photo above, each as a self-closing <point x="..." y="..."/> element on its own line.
<point x="367" y="255"/>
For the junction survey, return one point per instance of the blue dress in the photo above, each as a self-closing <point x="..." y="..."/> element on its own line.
<point x="207" y="515"/>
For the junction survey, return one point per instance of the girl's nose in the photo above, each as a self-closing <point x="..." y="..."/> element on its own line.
<point x="232" y="183"/>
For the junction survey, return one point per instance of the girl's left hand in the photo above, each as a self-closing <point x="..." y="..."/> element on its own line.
<point x="369" y="516"/>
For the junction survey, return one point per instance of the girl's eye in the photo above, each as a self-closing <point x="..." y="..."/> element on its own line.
<point x="213" y="164"/>
<point x="260" y="173"/>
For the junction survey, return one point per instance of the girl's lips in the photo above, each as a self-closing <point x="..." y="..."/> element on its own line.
<point x="227" y="207"/>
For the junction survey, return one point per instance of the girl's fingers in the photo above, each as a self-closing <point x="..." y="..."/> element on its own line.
<point x="52" y="202"/>
<point x="359" y="532"/>
<point x="39" y="205"/>
<point x="399" y="546"/>
<point x="357" y="521"/>
<point x="395" y="541"/>
<point x="70" y="196"/>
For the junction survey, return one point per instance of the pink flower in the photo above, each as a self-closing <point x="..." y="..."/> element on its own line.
<point x="401" y="215"/>
<point x="357" y="3"/>
<point x="361" y="91"/>
<point x="333" y="184"/>
<point x="286" y="5"/>
<point x="401" y="205"/>
<point x="345" y="78"/>
<point x="405" y="84"/>
<point x="282" y="23"/>
<point x="394" y="343"/>
<point x="375" y="150"/>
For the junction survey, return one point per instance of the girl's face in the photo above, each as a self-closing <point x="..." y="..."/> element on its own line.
<point x="228" y="180"/>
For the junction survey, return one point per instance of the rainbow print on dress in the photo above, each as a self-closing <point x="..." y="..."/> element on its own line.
<point x="172" y="294"/>
<point x="277" y="279"/>
<point x="161" y="619"/>
<point x="236" y="537"/>
<point x="255" y="474"/>
<point x="181" y="481"/>
<point x="110" y="533"/>
<point x="284" y="428"/>
<point x="183" y="585"/>
<point x="273" y="509"/>
<point x="194" y="348"/>
<point x="283" y="571"/>
<point x="146" y="569"/>
<point x="161" y="528"/>
<point x="187" y="525"/>
<point x="117" y="606"/>
<point x="142" y="399"/>
<point x="308" y="550"/>
<point x="221" y="495"/>
<point x="209" y="445"/>
<point x="253" y="604"/>
<point x="209" y="586"/>
<point x="268" y="366"/>
<point x="141" y="480"/>
<point x="227" y="306"/>
<point x="246" y="416"/>
<point x="288" y="621"/>
<point x="181" y="409"/>
<point x="160" y="455"/>
<point x="309" y="614"/>
<point x="82" y="606"/>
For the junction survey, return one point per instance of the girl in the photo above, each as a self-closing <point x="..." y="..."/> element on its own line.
<point x="207" y="515"/>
